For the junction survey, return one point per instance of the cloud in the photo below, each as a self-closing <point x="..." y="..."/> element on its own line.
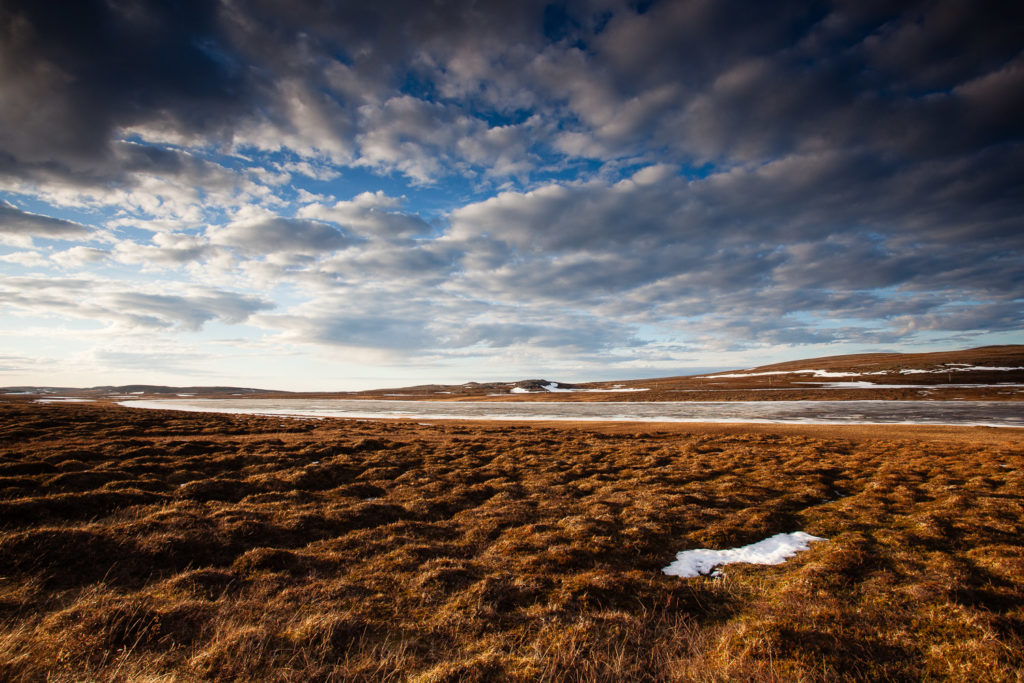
<point x="408" y="325"/>
<point x="28" y="259"/>
<point x="111" y="303"/>
<point x="167" y="249"/>
<point x="186" y="363"/>
<point x="602" y="180"/>
<point x="273" y="234"/>
<point x="22" y="225"/>
<point x="796" y="241"/>
<point x="67" y="90"/>
<point x="21" y="364"/>
<point x="77" y="257"/>
<point x="369" y="214"/>
<point x="413" y="136"/>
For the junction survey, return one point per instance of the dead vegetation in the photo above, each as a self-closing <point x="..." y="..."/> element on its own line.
<point x="159" y="546"/>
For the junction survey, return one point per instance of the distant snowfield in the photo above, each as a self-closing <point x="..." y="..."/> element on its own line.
<point x="773" y="550"/>
<point x="949" y="367"/>
<point x="960" y="413"/>
<point x="862" y="384"/>
<point x="816" y="373"/>
<point x="556" y="387"/>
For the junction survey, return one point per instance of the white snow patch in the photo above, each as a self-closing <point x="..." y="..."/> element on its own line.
<point x="816" y="373"/>
<point x="960" y="368"/>
<point x="774" y="550"/>
<point x="556" y="387"/>
<point x="860" y="384"/>
<point x="872" y="385"/>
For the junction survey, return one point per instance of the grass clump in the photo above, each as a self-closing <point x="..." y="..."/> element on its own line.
<point x="187" y="547"/>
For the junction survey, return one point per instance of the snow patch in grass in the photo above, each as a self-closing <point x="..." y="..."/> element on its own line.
<point x="773" y="550"/>
<point x="960" y="367"/>
<point x="816" y="373"/>
<point x="871" y="385"/>
<point x="950" y="367"/>
<point x="556" y="387"/>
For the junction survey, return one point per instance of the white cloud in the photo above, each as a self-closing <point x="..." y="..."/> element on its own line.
<point x="155" y="305"/>
<point x="412" y="136"/>
<point x="78" y="257"/>
<point x="370" y="214"/>
<point x="168" y="249"/>
<point x="28" y="259"/>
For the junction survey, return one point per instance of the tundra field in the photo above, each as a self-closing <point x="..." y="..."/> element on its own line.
<point x="163" y="546"/>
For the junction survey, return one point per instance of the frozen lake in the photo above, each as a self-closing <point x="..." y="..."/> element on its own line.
<point x="978" y="413"/>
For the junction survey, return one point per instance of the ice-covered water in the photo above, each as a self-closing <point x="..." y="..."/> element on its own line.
<point x="985" y="413"/>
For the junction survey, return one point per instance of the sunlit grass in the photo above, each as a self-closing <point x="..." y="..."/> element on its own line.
<point x="166" y="546"/>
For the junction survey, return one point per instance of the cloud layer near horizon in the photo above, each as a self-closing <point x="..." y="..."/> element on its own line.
<point x="611" y="183"/>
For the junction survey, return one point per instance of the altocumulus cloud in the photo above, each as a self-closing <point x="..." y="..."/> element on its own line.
<point x="521" y="183"/>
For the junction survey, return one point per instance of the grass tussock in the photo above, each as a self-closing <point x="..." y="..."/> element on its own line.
<point x="149" y="546"/>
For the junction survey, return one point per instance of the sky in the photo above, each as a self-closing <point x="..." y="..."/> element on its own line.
<point x="317" y="195"/>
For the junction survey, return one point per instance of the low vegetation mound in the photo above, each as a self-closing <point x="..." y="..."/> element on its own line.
<point x="150" y="545"/>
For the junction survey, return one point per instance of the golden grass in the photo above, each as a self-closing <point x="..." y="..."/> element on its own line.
<point x="159" y="546"/>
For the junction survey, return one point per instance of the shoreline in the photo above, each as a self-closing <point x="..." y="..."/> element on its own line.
<point x="996" y="415"/>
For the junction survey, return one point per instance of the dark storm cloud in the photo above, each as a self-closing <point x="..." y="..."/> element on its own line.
<point x="73" y="72"/>
<point x="723" y="81"/>
<point x="750" y="81"/>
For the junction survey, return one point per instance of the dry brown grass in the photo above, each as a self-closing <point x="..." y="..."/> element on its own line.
<point x="158" y="546"/>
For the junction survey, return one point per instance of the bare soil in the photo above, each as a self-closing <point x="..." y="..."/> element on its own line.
<point x="156" y="545"/>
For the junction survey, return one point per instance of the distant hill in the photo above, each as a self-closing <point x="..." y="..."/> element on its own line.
<point x="1009" y="356"/>
<point x="987" y="371"/>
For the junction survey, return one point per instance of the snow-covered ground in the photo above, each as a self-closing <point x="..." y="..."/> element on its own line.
<point x="556" y="387"/>
<point x="863" y="384"/>
<point x="957" y="367"/>
<point x="815" y="373"/>
<point x="773" y="550"/>
<point x="949" y="367"/>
